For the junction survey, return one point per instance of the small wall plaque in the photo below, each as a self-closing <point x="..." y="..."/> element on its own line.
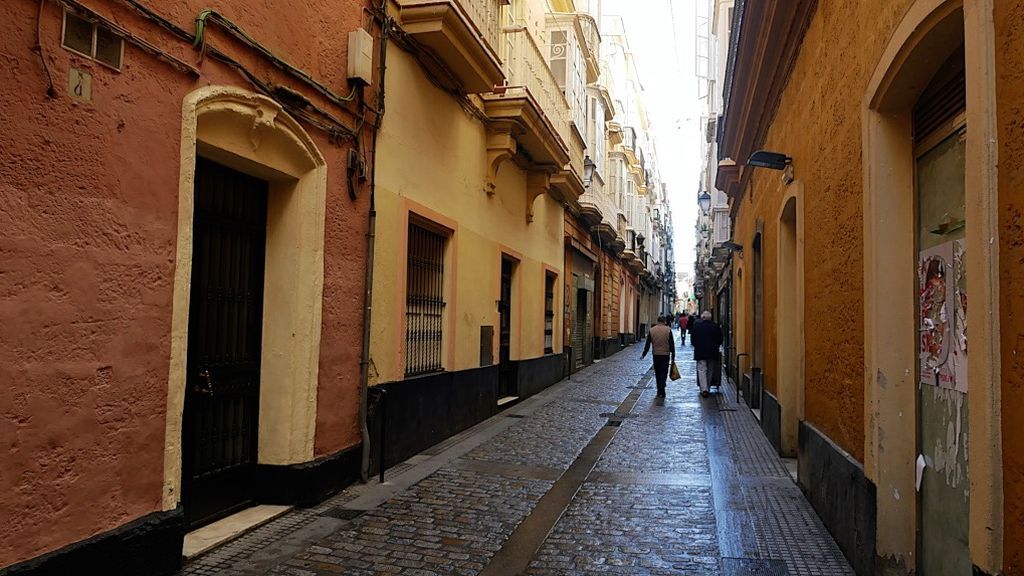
<point x="80" y="85"/>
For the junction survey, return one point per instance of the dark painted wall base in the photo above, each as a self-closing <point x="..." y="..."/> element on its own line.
<point x="149" y="546"/>
<point x="771" y="419"/>
<point x="427" y="410"/>
<point x="420" y="412"/>
<point x="844" y="498"/>
<point x="609" y="346"/>
<point x="756" y="385"/>
<point x="538" y="374"/>
<point x="310" y="483"/>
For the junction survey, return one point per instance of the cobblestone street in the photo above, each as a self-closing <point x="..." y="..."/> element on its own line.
<point x="594" y="475"/>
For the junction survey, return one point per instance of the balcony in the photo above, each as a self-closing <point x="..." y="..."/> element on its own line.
<point x="464" y="34"/>
<point x="531" y="107"/>
<point x="591" y="34"/>
<point x="597" y="207"/>
<point x="588" y="36"/>
<point x="629" y="139"/>
<point x="615" y="136"/>
<point x="568" y="184"/>
<point x="631" y="148"/>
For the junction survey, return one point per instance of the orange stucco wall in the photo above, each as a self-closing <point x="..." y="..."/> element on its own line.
<point x="611" y="291"/>
<point x="1009" y="21"/>
<point x="819" y="124"/>
<point x="607" y="311"/>
<point x="88" y="225"/>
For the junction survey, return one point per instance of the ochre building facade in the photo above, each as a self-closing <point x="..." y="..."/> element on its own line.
<point x="852" y="261"/>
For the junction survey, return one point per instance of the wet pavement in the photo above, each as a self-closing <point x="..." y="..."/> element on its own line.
<point x="593" y="476"/>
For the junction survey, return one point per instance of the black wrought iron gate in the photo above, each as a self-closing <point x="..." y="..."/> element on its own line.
<point x="224" y="340"/>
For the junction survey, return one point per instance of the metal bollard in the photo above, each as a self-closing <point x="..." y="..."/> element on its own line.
<point x="382" y="406"/>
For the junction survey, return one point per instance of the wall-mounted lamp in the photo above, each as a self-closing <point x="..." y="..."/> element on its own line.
<point x="588" y="171"/>
<point x="770" y="160"/>
<point x="704" y="201"/>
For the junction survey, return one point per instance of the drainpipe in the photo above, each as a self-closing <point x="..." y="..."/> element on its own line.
<point x="364" y="363"/>
<point x="371" y="240"/>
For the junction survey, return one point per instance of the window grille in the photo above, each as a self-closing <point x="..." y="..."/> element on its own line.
<point x="549" y="314"/>
<point x="424" y="311"/>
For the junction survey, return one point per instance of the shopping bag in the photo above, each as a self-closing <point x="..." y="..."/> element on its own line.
<point x="674" y="372"/>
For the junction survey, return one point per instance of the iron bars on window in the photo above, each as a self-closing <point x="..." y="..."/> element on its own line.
<point x="424" y="310"/>
<point x="549" y="314"/>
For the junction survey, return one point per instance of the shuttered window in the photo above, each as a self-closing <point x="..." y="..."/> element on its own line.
<point x="943" y="101"/>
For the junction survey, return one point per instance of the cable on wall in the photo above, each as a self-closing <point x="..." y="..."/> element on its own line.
<point x="212" y="16"/>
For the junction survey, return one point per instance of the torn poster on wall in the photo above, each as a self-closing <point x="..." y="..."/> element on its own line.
<point x="942" y="313"/>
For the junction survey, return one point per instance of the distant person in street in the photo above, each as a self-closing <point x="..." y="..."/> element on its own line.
<point x="691" y="321"/>
<point x="664" y="344"/>
<point x="706" y="337"/>
<point x="682" y="329"/>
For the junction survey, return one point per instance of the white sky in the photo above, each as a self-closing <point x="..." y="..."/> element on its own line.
<point x="666" y="64"/>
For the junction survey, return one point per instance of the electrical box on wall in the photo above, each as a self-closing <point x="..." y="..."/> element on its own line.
<point x="360" y="56"/>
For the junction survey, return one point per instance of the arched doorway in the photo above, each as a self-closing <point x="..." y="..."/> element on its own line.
<point x="789" y="316"/>
<point x="929" y="213"/>
<point x="251" y="200"/>
<point x="757" y="317"/>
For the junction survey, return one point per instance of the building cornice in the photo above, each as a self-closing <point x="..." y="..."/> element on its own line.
<point x="765" y="48"/>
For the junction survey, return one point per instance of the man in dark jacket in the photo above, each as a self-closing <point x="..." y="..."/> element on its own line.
<point x="706" y="337"/>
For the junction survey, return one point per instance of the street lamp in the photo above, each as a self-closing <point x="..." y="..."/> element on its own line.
<point x="770" y="160"/>
<point x="704" y="201"/>
<point x="588" y="171"/>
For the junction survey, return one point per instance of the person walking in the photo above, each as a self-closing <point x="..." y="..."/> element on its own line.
<point x="706" y="337"/>
<point x="662" y="342"/>
<point x="682" y="329"/>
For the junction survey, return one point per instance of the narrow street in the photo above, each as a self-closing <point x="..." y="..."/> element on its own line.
<point x="594" y="475"/>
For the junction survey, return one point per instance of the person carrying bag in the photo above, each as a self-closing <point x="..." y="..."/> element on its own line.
<point x="664" y="344"/>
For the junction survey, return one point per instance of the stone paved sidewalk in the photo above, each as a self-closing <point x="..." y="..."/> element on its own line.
<point x="594" y="475"/>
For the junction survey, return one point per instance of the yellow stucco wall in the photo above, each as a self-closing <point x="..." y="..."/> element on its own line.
<point x="432" y="162"/>
<point x="818" y="123"/>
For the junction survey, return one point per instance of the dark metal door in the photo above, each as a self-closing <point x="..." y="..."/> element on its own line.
<point x="579" y="330"/>
<point x="224" y="338"/>
<point x="506" y="370"/>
